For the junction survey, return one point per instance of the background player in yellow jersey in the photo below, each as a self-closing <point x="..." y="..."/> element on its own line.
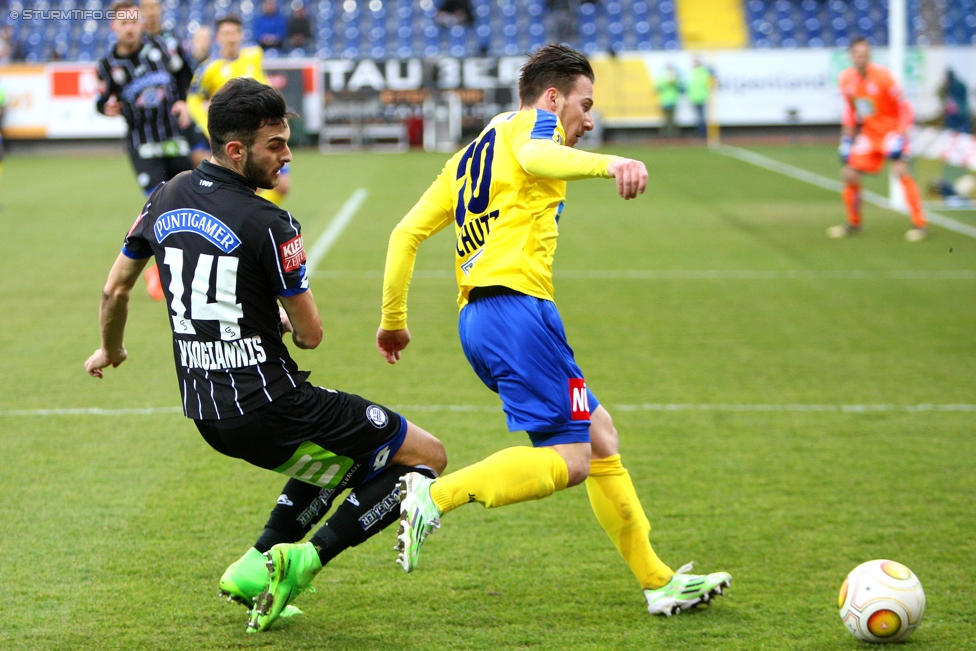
<point x="231" y="62"/>
<point x="504" y="194"/>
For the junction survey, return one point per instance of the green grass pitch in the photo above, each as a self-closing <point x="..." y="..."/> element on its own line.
<point x="712" y="295"/>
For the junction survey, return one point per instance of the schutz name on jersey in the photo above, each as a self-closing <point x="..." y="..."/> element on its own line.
<point x="216" y="355"/>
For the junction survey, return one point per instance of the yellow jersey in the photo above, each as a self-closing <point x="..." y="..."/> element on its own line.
<point x="504" y="193"/>
<point x="215" y="72"/>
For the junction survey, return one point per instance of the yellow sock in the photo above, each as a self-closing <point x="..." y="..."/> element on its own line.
<point x="507" y="477"/>
<point x="619" y="512"/>
<point x="273" y="196"/>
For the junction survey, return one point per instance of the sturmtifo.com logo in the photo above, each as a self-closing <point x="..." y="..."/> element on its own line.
<point x="73" y="14"/>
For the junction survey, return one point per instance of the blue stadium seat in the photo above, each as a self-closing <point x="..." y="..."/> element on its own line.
<point x="404" y="32"/>
<point x="509" y="28"/>
<point x="458" y="41"/>
<point x="668" y="25"/>
<point x="812" y="23"/>
<point x="374" y="29"/>
<point x="406" y="28"/>
<point x="588" y="27"/>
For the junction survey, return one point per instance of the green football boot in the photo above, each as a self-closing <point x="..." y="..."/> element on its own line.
<point x="685" y="591"/>
<point x="418" y="517"/>
<point x="246" y="578"/>
<point x="291" y="569"/>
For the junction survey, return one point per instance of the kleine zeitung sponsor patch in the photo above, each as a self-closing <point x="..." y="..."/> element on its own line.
<point x="292" y="254"/>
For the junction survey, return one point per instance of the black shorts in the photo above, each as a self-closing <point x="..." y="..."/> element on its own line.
<point x="195" y="138"/>
<point x="316" y="435"/>
<point x="151" y="171"/>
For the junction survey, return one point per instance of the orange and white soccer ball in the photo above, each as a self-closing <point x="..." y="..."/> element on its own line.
<point x="881" y="601"/>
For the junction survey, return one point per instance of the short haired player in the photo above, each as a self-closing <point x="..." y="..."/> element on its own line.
<point x="874" y="128"/>
<point x="232" y="61"/>
<point x="227" y="259"/>
<point x="142" y="80"/>
<point x="504" y="194"/>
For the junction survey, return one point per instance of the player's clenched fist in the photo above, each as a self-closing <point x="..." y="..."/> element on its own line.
<point x="631" y="177"/>
<point x="102" y="358"/>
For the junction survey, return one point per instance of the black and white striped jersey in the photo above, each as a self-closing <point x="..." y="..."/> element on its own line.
<point x="180" y="63"/>
<point x="224" y="256"/>
<point x="146" y="88"/>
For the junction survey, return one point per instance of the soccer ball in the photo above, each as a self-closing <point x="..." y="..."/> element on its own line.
<point x="881" y="601"/>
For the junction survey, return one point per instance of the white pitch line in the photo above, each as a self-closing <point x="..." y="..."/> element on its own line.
<point x="92" y="411"/>
<point x="703" y="274"/>
<point x="334" y="229"/>
<point x="847" y="409"/>
<point x="830" y="184"/>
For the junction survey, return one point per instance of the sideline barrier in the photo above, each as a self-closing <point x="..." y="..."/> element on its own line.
<point x="754" y="87"/>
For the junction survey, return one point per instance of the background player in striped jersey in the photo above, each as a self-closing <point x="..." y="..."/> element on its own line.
<point x="139" y="80"/>
<point x="504" y="194"/>
<point x="875" y="127"/>
<point x="228" y="258"/>
<point x="232" y="62"/>
<point x="151" y="15"/>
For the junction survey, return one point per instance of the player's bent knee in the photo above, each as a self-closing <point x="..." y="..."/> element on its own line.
<point x="421" y="448"/>
<point x="850" y="175"/>
<point x="577" y="458"/>
<point x="603" y="435"/>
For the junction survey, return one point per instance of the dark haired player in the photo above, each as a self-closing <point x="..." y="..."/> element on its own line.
<point x="139" y="80"/>
<point x="227" y="257"/>
<point x="504" y="194"/>
<point x="151" y="14"/>
<point x="232" y="61"/>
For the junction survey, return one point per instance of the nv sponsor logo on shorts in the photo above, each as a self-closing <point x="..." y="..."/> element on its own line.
<point x="315" y="465"/>
<point x="579" y="399"/>
<point x="186" y="220"/>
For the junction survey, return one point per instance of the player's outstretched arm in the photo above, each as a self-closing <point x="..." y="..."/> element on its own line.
<point x="113" y="313"/>
<point x="432" y="213"/>
<point x="631" y="177"/>
<point x="304" y="320"/>
<point x="391" y="342"/>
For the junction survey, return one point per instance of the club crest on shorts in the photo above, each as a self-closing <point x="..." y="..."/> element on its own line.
<point x="377" y="416"/>
<point x="579" y="399"/>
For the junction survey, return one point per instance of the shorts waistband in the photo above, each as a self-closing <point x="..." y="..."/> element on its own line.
<point x="478" y="293"/>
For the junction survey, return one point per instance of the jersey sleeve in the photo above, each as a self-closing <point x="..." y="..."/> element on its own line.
<point x="848" y="115"/>
<point x="105" y="88"/>
<point x="255" y="56"/>
<point x="181" y="71"/>
<point x="906" y="114"/>
<point x="537" y="145"/>
<point x="283" y="256"/>
<point x="430" y="215"/>
<point x="197" y="95"/>
<point x="137" y="244"/>
<point x="546" y="159"/>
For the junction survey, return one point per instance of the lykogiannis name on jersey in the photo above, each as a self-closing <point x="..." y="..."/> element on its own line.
<point x="196" y="221"/>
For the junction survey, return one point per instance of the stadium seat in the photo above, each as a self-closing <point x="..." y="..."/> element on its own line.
<point x="406" y="28"/>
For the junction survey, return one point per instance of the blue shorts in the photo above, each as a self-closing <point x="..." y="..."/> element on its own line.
<point x="517" y="346"/>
